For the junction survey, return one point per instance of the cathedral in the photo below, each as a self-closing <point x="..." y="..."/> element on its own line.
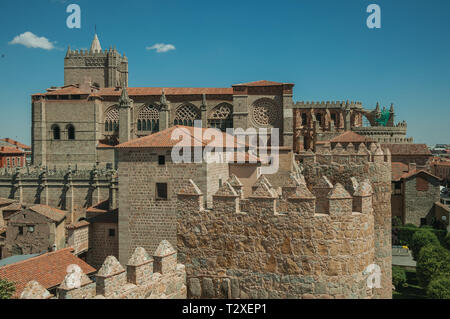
<point x="81" y="122"/>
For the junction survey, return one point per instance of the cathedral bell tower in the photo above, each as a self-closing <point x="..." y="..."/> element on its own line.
<point x="102" y="68"/>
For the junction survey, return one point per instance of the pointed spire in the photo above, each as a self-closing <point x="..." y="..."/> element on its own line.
<point x="377" y="109"/>
<point x="124" y="99"/>
<point x="392" y="108"/>
<point x="68" y="50"/>
<point x="95" y="46"/>
<point x="163" y="98"/>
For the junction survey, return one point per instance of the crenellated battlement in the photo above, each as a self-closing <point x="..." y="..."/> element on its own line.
<point x="145" y="277"/>
<point x="303" y="237"/>
<point x="350" y="153"/>
<point x="328" y="104"/>
<point x="67" y="189"/>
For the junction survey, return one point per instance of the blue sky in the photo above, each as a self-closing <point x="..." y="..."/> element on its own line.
<point x="323" y="46"/>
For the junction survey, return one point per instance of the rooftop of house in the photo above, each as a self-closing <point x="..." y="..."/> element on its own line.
<point x="408" y="149"/>
<point x="182" y="136"/>
<point x="6" y="150"/>
<point x="51" y="213"/>
<point x="403" y="171"/>
<point x="48" y="269"/>
<point x="350" y="137"/>
<point x="15" y="143"/>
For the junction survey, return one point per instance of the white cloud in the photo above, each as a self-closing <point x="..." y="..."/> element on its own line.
<point x="31" y="40"/>
<point x="161" y="47"/>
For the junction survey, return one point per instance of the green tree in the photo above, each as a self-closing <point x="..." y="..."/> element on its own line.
<point x="433" y="262"/>
<point x="447" y="241"/>
<point x="398" y="277"/>
<point x="439" y="288"/>
<point x="7" y="289"/>
<point x="421" y="239"/>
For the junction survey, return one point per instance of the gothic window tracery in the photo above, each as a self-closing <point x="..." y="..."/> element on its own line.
<point x="265" y="113"/>
<point x="221" y="117"/>
<point x="186" y="115"/>
<point x="112" y="120"/>
<point x="148" y="119"/>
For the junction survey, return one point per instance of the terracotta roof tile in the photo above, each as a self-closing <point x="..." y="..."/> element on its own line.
<point x="79" y="224"/>
<point x="54" y="214"/>
<point x="6" y="201"/>
<point x="16" y="143"/>
<point x="398" y="170"/>
<point x="261" y="83"/>
<point x="48" y="269"/>
<point x="10" y="150"/>
<point x="350" y="137"/>
<point x="416" y="172"/>
<point x="407" y="149"/>
<point x="15" y="206"/>
<point x="145" y="91"/>
<point x="163" y="139"/>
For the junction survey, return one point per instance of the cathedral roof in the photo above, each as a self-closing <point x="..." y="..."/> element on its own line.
<point x="263" y="83"/>
<point x="95" y="46"/>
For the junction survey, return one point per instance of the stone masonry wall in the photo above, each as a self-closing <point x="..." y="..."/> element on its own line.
<point x="262" y="253"/>
<point x="340" y="165"/>
<point x="419" y="202"/>
<point x="144" y="219"/>
<point x="141" y="279"/>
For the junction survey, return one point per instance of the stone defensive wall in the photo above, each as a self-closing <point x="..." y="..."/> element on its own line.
<point x="351" y="163"/>
<point x="296" y="241"/>
<point x="68" y="189"/>
<point x="145" y="277"/>
<point x="327" y="104"/>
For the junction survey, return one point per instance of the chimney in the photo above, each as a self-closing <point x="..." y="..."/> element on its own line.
<point x="411" y="167"/>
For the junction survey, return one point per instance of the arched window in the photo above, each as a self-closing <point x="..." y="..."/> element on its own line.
<point x="70" y="132"/>
<point x="56" y="132"/>
<point x="221" y="117"/>
<point x="112" y="120"/>
<point x="186" y="115"/>
<point x="148" y="118"/>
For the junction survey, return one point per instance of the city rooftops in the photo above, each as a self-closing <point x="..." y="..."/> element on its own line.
<point x="169" y="138"/>
<point x="48" y="269"/>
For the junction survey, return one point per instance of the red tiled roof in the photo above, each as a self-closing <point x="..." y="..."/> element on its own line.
<point x="76" y="225"/>
<point x="10" y="150"/>
<point x="101" y="207"/>
<point x="54" y="214"/>
<point x="401" y="171"/>
<point x="350" y="137"/>
<point x="15" y="206"/>
<point x="408" y="149"/>
<point x="14" y="142"/>
<point x="398" y="170"/>
<point x="168" y="91"/>
<point x="164" y="139"/>
<point x="48" y="269"/>
<point x="416" y="172"/>
<point x="262" y="83"/>
<point x="140" y="91"/>
<point x="6" y="201"/>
